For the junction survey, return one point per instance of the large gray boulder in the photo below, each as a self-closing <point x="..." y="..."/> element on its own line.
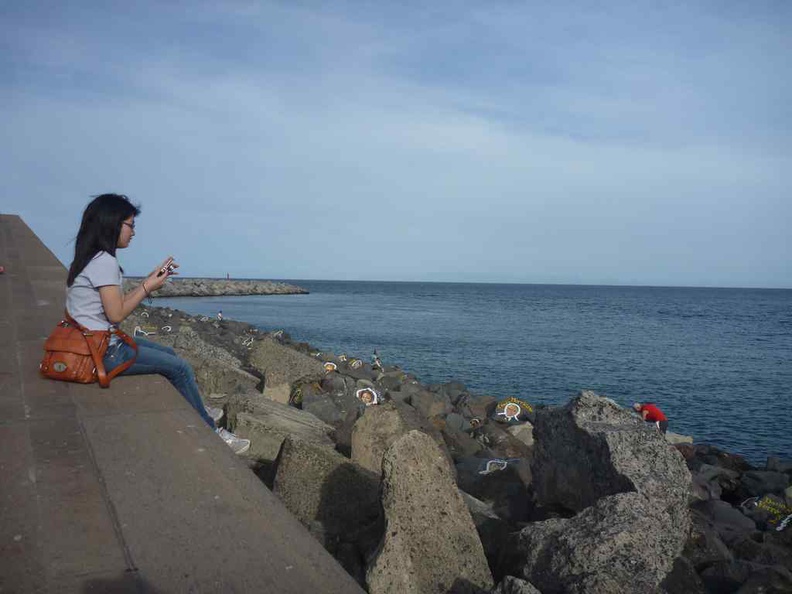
<point x="493" y="531"/>
<point x="187" y="341"/>
<point x="756" y="483"/>
<point x="705" y="545"/>
<point x="317" y="484"/>
<point x="523" y="433"/>
<point x="592" y="448"/>
<point x="268" y="423"/>
<point x="380" y="426"/>
<point x="614" y="546"/>
<point x="629" y="489"/>
<point x="682" y="579"/>
<point x="430" y="542"/>
<point x="340" y="390"/>
<point x="337" y="500"/>
<point x="503" y="484"/>
<point x="777" y="464"/>
<point x="391" y="381"/>
<point x="323" y="408"/>
<point x="282" y="366"/>
<point x="709" y="482"/>
<point x="330" y="398"/>
<point x="431" y="404"/>
<point x="374" y="432"/>
<point x="216" y="378"/>
<point x="729" y="522"/>
<point x="461" y="444"/>
<point x="501" y="442"/>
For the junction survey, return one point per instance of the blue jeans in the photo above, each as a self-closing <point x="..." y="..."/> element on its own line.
<point x="156" y="358"/>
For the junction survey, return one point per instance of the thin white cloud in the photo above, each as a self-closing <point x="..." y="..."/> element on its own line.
<point x="535" y="144"/>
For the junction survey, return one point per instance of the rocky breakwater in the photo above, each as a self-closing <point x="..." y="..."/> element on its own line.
<point x="628" y="491"/>
<point x="741" y="534"/>
<point x="214" y="287"/>
<point x="431" y="488"/>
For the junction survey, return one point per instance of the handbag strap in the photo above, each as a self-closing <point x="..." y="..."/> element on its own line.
<point x="101" y="374"/>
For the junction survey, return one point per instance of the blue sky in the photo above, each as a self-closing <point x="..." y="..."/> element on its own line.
<point x="571" y="142"/>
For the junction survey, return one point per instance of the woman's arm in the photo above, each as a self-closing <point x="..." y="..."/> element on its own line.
<point x="118" y="305"/>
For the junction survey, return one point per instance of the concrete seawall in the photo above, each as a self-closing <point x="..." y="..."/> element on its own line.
<point x="124" y="489"/>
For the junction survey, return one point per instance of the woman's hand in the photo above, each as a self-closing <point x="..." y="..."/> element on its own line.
<point x="117" y="306"/>
<point x="159" y="275"/>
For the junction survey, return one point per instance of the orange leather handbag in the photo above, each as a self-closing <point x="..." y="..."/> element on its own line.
<point x="72" y="353"/>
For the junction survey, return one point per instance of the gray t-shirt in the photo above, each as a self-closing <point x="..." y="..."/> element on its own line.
<point x="83" y="301"/>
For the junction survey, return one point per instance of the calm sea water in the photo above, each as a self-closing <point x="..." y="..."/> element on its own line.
<point x="717" y="361"/>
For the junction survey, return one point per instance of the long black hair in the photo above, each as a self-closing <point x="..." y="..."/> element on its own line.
<point x="99" y="230"/>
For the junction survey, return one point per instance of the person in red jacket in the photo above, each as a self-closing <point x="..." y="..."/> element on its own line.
<point x="651" y="414"/>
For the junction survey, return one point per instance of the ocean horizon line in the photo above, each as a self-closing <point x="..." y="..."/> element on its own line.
<point x="493" y="283"/>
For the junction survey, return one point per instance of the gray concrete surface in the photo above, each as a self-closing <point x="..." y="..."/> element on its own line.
<point x="124" y="489"/>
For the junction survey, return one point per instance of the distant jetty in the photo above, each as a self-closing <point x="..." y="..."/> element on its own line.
<point x="216" y="287"/>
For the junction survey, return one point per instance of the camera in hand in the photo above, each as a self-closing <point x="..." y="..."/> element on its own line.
<point x="167" y="269"/>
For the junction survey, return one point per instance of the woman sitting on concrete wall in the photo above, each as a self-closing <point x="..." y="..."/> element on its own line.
<point x="94" y="298"/>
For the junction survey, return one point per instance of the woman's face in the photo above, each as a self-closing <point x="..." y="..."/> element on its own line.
<point x="127" y="232"/>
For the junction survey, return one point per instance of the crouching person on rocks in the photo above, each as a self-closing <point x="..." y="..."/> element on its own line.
<point x="94" y="298"/>
<point x="651" y="414"/>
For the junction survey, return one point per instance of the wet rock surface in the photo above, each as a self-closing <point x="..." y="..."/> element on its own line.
<point x="576" y="498"/>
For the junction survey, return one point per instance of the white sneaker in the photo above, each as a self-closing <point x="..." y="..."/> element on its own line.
<point x="215" y="413"/>
<point x="239" y="445"/>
